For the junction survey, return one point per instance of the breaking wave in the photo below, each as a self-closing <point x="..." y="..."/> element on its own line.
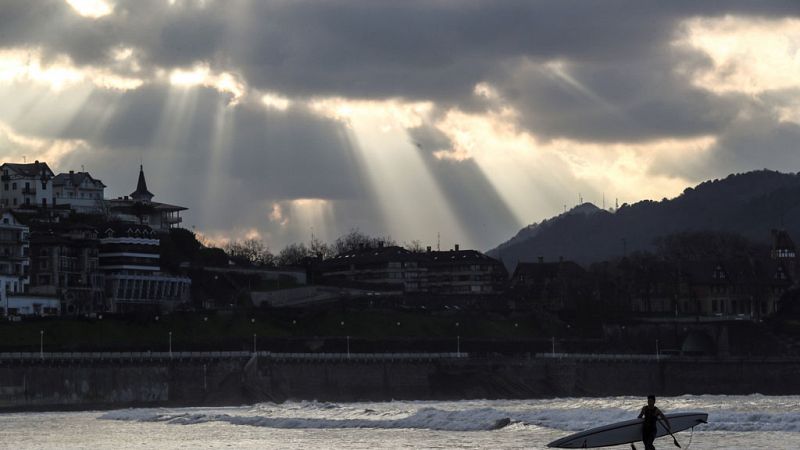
<point x="509" y="416"/>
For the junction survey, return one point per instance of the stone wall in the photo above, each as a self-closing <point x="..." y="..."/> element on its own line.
<point x="43" y="384"/>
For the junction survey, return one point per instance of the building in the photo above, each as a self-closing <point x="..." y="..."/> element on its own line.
<point x="783" y="251"/>
<point x="462" y="272"/>
<point x="14" y="250"/>
<point x="130" y="262"/>
<point x="745" y="288"/>
<point x="550" y="285"/>
<point x="65" y="265"/>
<point x="29" y="305"/>
<point x="455" y="272"/>
<point x="79" y="190"/>
<point x="386" y="267"/>
<point x="26" y="186"/>
<point x="139" y="208"/>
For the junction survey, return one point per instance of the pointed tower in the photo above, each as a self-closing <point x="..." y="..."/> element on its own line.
<point x="141" y="194"/>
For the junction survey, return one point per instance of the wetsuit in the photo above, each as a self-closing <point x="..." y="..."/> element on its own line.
<point x="649" y="428"/>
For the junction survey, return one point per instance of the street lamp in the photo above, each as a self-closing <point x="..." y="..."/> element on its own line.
<point x="458" y="342"/>
<point x="41" y="344"/>
<point x="657" y="352"/>
<point x="254" y="343"/>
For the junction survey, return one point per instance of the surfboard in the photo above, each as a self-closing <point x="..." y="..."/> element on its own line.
<point x="627" y="432"/>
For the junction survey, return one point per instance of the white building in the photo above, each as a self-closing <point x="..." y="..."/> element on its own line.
<point x="26" y="185"/>
<point x="14" y="254"/>
<point x="29" y="305"/>
<point x="79" y="190"/>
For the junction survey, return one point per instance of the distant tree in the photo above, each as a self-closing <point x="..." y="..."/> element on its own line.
<point x="319" y="249"/>
<point x="355" y="240"/>
<point x="414" y="246"/>
<point x="293" y="255"/>
<point x="251" y="250"/>
<point x="707" y="245"/>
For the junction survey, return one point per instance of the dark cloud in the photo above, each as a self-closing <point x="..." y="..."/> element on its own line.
<point x="616" y="102"/>
<point x="438" y="50"/>
<point x="756" y="139"/>
<point x="618" y="79"/>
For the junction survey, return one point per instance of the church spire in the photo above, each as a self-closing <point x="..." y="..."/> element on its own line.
<point x="141" y="193"/>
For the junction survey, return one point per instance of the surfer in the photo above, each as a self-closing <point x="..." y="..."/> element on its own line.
<point x="651" y="414"/>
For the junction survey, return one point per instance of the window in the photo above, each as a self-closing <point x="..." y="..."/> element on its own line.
<point x="44" y="185"/>
<point x="5" y="186"/>
<point x="27" y="185"/>
<point x="27" y="200"/>
<point x="15" y="202"/>
<point x="44" y="202"/>
<point x="13" y="186"/>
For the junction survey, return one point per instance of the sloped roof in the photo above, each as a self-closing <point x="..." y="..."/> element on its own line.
<point x="120" y="229"/>
<point x="453" y="256"/>
<point x="141" y="187"/>
<point x="75" y="178"/>
<point x="735" y="271"/>
<point x="393" y="252"/>
<point x="33" y="169"/>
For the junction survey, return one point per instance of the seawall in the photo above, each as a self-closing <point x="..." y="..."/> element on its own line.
<point x="240" y="378"/>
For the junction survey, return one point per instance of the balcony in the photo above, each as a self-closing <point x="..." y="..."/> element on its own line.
<point x="28" y="191"/>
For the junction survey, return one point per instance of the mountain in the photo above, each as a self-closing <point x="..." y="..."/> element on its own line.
<point x="749" y="204"/>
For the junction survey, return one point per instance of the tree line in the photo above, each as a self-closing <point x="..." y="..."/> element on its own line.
<point x="256" y="252"/>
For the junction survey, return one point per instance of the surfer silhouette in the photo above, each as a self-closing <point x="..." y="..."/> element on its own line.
<point x="651" y="414"/>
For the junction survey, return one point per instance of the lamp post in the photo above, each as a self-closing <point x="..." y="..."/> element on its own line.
<point x="458" y="341"/>
<point x="657" y="352"/>
<point x="41" y="344"/>
<point x="255" y="337"/>
<point x="347" y="340"/>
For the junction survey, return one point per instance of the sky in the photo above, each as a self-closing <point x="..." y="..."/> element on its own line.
<point x="440" y="121"/>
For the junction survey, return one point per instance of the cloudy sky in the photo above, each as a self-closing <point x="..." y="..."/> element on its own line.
<point x="463" y="118"/>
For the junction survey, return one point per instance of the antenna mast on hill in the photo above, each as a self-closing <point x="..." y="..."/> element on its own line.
<point x="604" y="200"/>
<point x="438" y="242"/>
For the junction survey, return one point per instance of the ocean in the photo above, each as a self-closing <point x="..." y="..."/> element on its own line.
<point x="735" y="422"/>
